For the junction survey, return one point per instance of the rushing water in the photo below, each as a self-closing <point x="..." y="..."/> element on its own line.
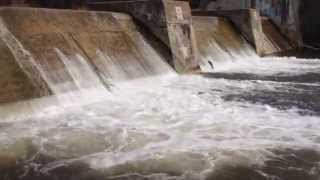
<point x="121" y="113"/>
<point x="255" y="120"/>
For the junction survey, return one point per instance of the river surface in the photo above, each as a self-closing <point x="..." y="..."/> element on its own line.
<point x="255" y="120"/>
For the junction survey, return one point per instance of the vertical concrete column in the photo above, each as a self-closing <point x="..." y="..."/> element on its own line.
<point x="257" y="31"/>
<point x="294" y="33"/>
<point x="181" y="35"/>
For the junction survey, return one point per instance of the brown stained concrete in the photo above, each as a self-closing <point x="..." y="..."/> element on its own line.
<point x="258" y="31"/>
<point x="33" y="35"/>
<point x="180" y="31"/>
<point x="241" y="19"/>
<point x="14" y="84"/>
<point x="218" y="39"/>
<point x="42" y="47"/>
<point x="120" y="55"/>
<point x="168" y="20"/>
<point x="219" y="30"/>
<point x="114" y="51"/>
<point x="273" y="40"/>
<point x="31" y="38"/>
<point x="32" y="21"/>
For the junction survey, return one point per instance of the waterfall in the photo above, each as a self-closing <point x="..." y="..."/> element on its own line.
<point x="67" y="63"/>
<point x="219" y="44"/>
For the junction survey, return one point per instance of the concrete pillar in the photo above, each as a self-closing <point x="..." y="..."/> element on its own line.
<point x="256" y="26"/>
<point x="168" y="20"/>
<point x="180" y="32"/>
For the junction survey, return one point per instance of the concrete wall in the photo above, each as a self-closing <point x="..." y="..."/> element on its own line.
<point x="15" y="84"/>
<point x="42" y="50"/>
<point x="247" y="22"/>
<point x="283" y="13"/>
<point x="219" y="43"/>
<point x="260" y="32"/>
<point x="168" y="20"/>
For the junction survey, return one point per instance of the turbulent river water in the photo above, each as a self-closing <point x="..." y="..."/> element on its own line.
<point x="255" y="120"/>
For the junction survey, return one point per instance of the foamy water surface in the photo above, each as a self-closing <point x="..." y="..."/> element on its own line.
<point x="245" y="122"/>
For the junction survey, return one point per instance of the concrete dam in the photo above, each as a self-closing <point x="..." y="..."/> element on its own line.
<point x="153" y="90"/>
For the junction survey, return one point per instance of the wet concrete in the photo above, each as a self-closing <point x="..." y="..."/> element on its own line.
<point x="218" y="42"/>
<point x="170" y="21"/>
<point x="15" y="85"/>
<point x="259" y="31"/>
<point x="39" y="46"/>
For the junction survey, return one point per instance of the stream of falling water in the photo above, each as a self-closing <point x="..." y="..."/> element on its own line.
<point x="256" y="121"/>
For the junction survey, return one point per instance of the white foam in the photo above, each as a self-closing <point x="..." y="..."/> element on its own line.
<point x="174" y="118"/>
<point x="271" y="66"/>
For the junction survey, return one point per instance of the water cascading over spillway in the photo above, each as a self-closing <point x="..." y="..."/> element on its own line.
<point x="220" y="45"/>
<point x="129" y="118"/>
<point x="68" y="54"/>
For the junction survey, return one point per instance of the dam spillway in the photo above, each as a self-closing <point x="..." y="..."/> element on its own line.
<point x="86" y="95"/>
<point x="219" y="43"/>
<point x="68" y="51"/>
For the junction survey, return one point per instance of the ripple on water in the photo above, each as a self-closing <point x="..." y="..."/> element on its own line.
<point x="190" y="127"/>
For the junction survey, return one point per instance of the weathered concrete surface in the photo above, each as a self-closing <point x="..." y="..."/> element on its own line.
<point x="273" y="40"/>
<point x="170" y="21"/>
<point x="283" y="13"/>
<point x="285" y="16"/>
<point x="218" y="42"/>
<point x="14" y="84"/>
<point x="241" y="19"/>
<point x="181" y="35"/>
<point x="46" y="52"/>
<point x="254" y="29"/>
